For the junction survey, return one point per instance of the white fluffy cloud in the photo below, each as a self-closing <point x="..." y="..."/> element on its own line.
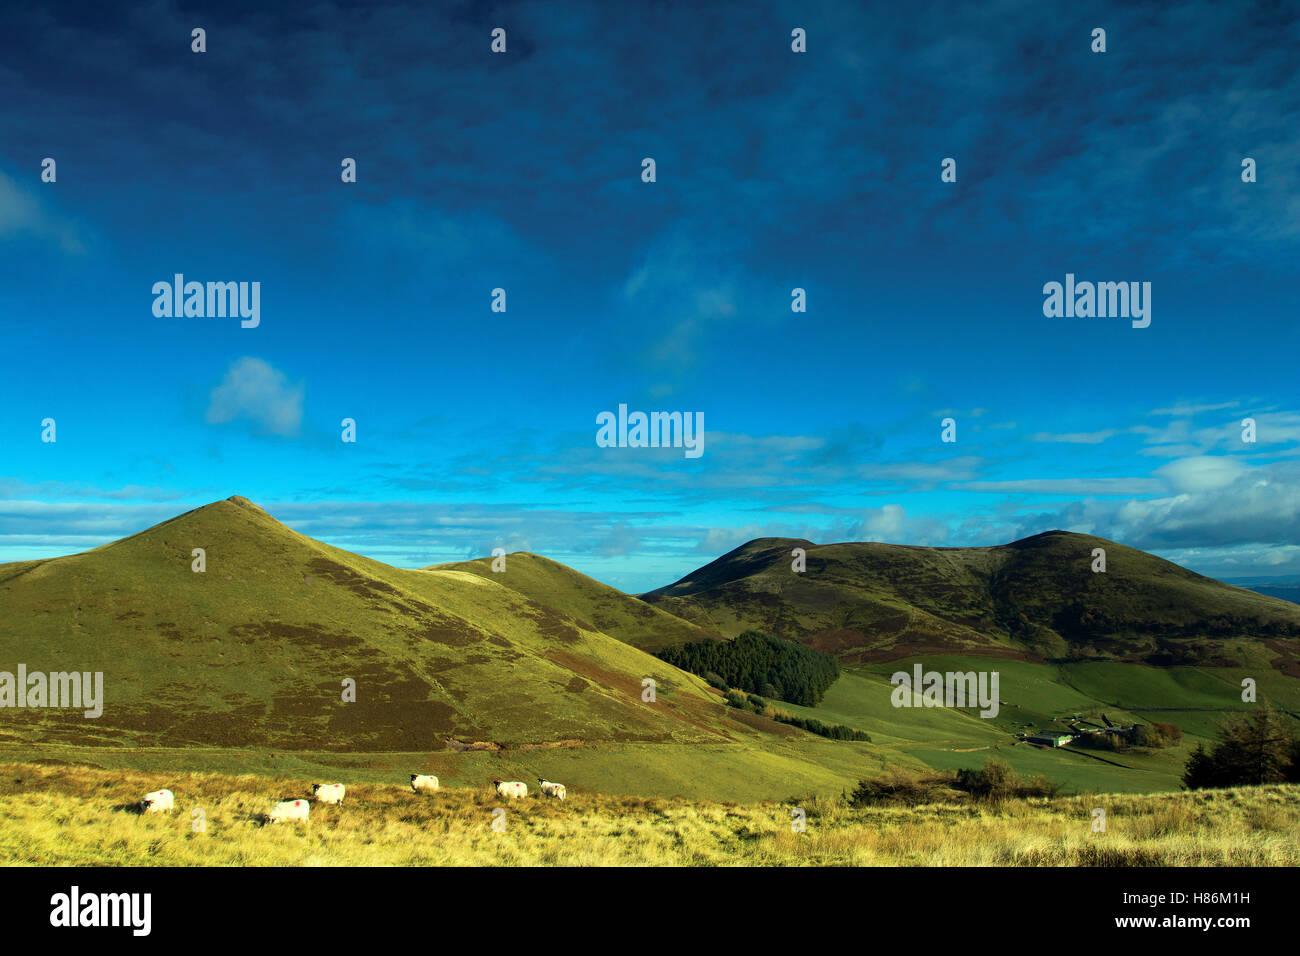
<point x="1201" y="473"/>
<point x="255" y="392"/>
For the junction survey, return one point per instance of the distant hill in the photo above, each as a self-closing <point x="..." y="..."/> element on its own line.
<point x="1291" y="594"/>
<point x="1033" y="598"/>
<point x="253" y="652"/>
<point x="598" y="606"/>
<point x="1286" y="587"/>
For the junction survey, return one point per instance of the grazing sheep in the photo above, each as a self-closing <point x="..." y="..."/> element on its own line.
<point x="424" y="781"/>
<point x="159" y="801"/>
<point x="289" y="810"/>
<point x="511" y="788"/>
<point x="328" y="792"/>
<point x="549" y="789"/>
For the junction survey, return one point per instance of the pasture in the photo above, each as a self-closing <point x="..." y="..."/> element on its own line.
<point x="81" y="816"/>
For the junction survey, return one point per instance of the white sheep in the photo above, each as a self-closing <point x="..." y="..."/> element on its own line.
<point x="328" y="792"/>
<point x="159" y="801"/>
<point x="289" y="810"/>
<point x="555" y="790"/>
<point x="424" y="781"/>
<point x="511" y="788"/>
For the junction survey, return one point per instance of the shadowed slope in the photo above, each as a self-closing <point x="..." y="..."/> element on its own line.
<point x="602" y="607"/>
<point x="1034" y="597"/>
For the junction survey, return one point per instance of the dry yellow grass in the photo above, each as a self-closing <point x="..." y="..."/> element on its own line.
<point x="75" y="816"/>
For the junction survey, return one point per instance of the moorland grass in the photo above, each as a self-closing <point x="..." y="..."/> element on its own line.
<point x="81" y="816"/>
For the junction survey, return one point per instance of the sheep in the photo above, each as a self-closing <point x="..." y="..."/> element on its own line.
<point x="511" y="788"/>
<point x="289" y="810"/>
<point x="549" y="789"/>
<point x="159" y="801"/>
<point x="424" y="781"/>
<point x="328" y="792"/>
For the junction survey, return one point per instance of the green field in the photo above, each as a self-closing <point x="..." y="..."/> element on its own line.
<point x="1035" y="695"/>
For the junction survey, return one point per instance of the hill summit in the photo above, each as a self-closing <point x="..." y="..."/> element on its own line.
<point x="1035" y="598"/>
<point x="223" y="627"/>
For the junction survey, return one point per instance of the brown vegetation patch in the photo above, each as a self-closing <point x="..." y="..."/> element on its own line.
<point x="1288" y="659"/>
<point x="392" y="724"/>
<point x="897" y="652"/>
<point x="416" y="606"/>
<point x="758" y="722"/>
<point x="311" y="634"/>
<point x="594" y="672"/>
<point x="240" y="727"/>
<point x="553" y="625"/>
<point x="837" y="640"/>
<point x="450" y="632"/>
<point x="345" y="577"/>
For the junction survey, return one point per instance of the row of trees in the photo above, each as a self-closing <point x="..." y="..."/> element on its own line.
<point x="1254" y="749"/>
<point x="1154" y="735"/>
<point x="759" y="664"/>
<point x="743" y="701"/>
<point x="1157" y="734"/>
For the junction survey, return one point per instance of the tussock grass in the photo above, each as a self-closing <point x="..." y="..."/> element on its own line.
<point x="79" y="816"/>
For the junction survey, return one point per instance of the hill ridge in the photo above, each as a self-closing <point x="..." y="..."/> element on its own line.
<point x="1036" y="597"/>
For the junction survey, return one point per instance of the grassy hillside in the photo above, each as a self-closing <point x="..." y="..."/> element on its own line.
<point x="77" y="816"/>
<point x="240" y="668"/>
<point x="253" y="652"/>
<point x="1032" y="599"/>
<point x="597" y="606"/>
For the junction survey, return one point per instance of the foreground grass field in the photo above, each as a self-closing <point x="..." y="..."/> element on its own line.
<point x="81" y="816"/>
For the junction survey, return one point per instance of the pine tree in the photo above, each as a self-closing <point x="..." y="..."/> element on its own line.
<point x="1256" y="749"/>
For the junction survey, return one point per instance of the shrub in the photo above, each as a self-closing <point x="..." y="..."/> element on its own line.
<point x="1157" y="734"/>
<point x="1103" y="741"/>
<point x="996" y="781"/>
<point x="899" y="787"/>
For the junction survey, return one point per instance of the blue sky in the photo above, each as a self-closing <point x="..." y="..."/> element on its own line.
<point x="775" y="170"/>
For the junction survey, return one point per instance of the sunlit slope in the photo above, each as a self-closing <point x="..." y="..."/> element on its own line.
<point x="254" y="651"/>
<point x="1037" y="597"/>
<point x="585" y="599"/>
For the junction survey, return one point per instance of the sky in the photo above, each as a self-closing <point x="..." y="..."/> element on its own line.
<point x="774" y="170"/>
